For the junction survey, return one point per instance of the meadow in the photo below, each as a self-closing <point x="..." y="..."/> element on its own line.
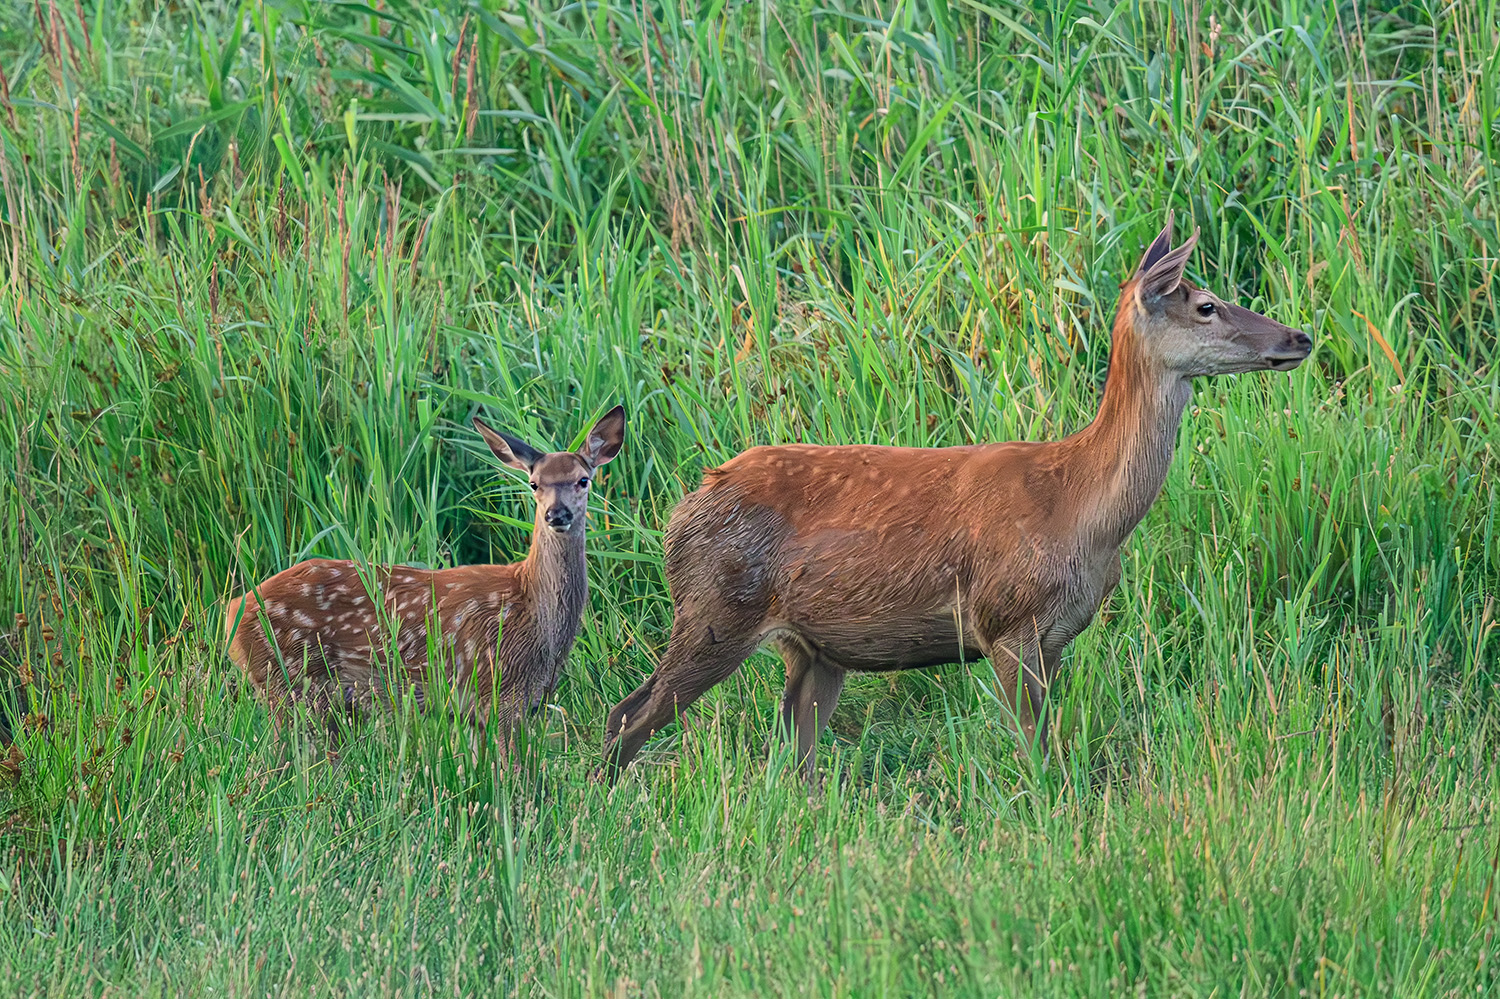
<point x="262" y="262"/>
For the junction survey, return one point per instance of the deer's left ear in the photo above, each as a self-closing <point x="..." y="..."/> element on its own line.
<point x="1162" y="277"/>
<point x="605" y="438"/>
<point x="1159" y="246"/>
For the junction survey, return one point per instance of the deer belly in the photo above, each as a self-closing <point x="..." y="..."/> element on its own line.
<point x="890" y="643"/>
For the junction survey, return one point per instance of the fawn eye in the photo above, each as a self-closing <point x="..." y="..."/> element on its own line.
<point x="583" y="483"/>
<point x="1206" y="309"/>
<point x="533" y="487"/>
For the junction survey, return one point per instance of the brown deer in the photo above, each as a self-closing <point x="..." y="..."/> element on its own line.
<point x="883" y="558"/>
<point x="322" y="630"/>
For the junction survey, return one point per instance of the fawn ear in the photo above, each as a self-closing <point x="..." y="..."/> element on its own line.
<point x="510" y="450"/>
<point x="605" y="438"/>
<point x="1163" y="276"/>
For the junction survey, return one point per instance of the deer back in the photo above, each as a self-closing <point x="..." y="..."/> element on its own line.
<point x="315" y="628"/>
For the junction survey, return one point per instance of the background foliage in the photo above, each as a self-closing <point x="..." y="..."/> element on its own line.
<point x="262" y="262"/>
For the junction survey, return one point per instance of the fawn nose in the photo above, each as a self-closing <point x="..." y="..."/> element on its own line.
<point x="559" y="518"/>
<point x="1302" y="341"/>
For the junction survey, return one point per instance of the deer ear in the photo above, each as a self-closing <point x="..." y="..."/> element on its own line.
<point x="510" y="450"/>
<point x="605" y="438"/>
<point x="1159" y="246"/>
<point x="1163" y="276"/>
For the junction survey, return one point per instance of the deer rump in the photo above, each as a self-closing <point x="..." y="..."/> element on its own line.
<point x="872" y="557"/>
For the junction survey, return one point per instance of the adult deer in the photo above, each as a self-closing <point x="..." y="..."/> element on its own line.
<point x="321" y="632"/>
<point x="883" y="558"/>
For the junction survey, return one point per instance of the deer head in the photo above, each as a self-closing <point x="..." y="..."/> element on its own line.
<point x="1192" y="332"/>
<point x="560" y="479"/>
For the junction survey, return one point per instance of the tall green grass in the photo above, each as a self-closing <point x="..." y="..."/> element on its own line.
<point x="262" y="261"/>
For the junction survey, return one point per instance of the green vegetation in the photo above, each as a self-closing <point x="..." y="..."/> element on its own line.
<point x="262" y="262"/>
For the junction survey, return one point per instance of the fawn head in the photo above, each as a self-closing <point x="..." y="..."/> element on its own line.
<point x="1193" y="332"/>
<point x="560" y="480"/>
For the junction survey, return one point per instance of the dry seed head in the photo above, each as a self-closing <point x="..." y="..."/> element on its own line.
<point x="10" y="766"/>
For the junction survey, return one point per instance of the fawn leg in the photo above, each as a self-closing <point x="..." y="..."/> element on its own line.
<point x="697" y="658"/>
<point x="812" y="691"/>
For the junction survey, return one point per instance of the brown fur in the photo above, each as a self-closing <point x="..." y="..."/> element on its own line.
<point x="879" y="558"/>
<point x="317" y="631"/>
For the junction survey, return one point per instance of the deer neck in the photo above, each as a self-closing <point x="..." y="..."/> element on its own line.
<point x="555" y="576"/>
<point x="1124" y="454"/>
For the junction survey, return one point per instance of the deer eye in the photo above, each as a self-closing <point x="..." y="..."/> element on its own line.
<point x="583" y="483"/>
<point x="534" y="487"/>
<point x="1206" y="309"/>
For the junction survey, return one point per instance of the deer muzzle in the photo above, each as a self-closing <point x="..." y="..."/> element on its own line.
<point x="1292" y="352"/>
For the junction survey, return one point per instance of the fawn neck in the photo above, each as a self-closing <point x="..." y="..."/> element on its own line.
<point x="555" y="575"/>
<point x="1125" y="452"/>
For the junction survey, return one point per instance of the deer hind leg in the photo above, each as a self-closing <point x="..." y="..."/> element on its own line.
<point x="270" y="674"/>
<point x="300" y="679"/>
<point x="813" y="684"/>
<point x="698" y="657"/>
<point x="1024" y="672"/>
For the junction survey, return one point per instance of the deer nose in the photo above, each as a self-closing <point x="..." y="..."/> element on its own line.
<point x="1301" y="341"/>
<point x="559" y="517"/>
